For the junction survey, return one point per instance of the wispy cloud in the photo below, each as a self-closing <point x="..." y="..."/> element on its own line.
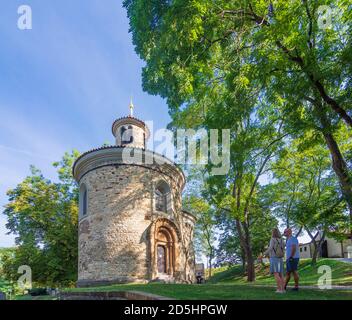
<point x="26" y="152"/>
<point x="22" y="134"/>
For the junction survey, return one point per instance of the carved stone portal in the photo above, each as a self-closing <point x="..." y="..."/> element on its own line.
<point x="164" y="239"/>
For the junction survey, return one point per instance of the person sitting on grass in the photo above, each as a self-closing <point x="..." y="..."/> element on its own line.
<point x="276" y="253"/>
<point x="292" y="258"/>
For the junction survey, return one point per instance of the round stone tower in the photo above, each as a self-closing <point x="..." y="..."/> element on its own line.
<point x="131" y="224"/>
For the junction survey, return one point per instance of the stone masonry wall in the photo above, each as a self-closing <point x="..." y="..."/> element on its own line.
<point x="113" y="236"/>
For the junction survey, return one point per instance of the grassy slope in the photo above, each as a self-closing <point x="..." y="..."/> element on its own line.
<point x="29" y="297"/>
<point x="224" y="291"/>
<point x="341" y="273"/>
<point x="230" y="284"/>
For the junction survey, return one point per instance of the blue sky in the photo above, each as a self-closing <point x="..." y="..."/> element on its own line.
<point x="63" y="83"/>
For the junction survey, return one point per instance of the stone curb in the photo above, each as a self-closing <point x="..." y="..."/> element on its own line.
<point x="110" y="295"/>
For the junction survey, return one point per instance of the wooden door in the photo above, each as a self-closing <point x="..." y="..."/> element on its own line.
<point x="161" y="259"/>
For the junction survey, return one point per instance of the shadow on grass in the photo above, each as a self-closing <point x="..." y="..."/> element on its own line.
<point x="309" y="275"/>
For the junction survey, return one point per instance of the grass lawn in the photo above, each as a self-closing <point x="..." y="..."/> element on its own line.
<point x="230" y="284"/>
<point x="224" y="291"/>
<point x="29" y="297"/>
<point x="341" y="273"/>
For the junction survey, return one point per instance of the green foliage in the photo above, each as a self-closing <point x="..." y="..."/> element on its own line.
<point x="5" y="252"/>
<point x="244" y="45"/>
<point x="280" y="79"/>
<point x="43" y="216"/>
<point x="205" y="233"/>
<point x="225" y="291"/>
<point x="6" y="285"/>
<point x="305" y="192"/>
<point x="229" y="250"/>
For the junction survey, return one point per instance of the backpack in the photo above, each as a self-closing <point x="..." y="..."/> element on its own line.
<point x="278" y="249"/>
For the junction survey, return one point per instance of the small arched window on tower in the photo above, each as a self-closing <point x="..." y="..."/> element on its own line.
<point x="83" y="200"/>
<point x="162" y="197"/>
<point x="127" y="135"/>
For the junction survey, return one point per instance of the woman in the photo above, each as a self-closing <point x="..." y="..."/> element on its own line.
<point x="276" y="253"/>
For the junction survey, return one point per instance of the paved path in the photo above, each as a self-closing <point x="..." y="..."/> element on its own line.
<point x="333" y="287"/>
<point x="348" y="260"/>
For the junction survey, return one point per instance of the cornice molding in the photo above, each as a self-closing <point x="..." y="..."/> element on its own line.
<point x="113" y="155"/>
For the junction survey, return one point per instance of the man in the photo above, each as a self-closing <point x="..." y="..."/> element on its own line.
<point x="292" y="258"/>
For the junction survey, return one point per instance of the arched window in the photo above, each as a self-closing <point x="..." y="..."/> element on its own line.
<point x="126" y="134"/>
<point x="83" y="200"/>
<point x="123" y="130"/>
<point x="162" y="196"/>
<point x="130" y="132"/>
<point x="160" y="201"/>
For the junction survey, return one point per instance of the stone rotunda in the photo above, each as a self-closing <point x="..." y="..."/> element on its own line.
<point x="131" y="224"/>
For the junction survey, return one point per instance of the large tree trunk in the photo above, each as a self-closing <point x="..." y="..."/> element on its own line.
<point x="245" y="235"/>
<point x="242" y="244"/>
<point x="331" y="102"/>
<point x="250" y="265"/>
<point x="317" y="245"/>
<point x="236" y="194"/>
<point x="245" y="241"/>
<point x="340" y="167"/>
<point x="315" y="253"/>
<point x="338" y="162"/>
<point x="210" y="266"/>
<point x="299" y="231"/>
<point x="318" y="249"/>
<point x="320" y="244"/>
<point x="249" y="254"/>
<point x="243" y="257"/>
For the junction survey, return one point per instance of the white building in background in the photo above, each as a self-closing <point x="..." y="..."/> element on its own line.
<point x="331" y="248"/>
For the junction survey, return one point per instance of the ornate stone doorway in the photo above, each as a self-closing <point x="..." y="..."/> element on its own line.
<point x="165" y="248"/>
<point x="165" y="251"/>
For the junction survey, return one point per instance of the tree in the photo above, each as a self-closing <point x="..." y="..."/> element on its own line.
<point x="5" y="285"/>
<point x="229" y="250"/>
<point x="205" y="233"/>
<point x="306" y="192"/>
<point x="279" y="52"/>
<point x="44" y="216"/>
